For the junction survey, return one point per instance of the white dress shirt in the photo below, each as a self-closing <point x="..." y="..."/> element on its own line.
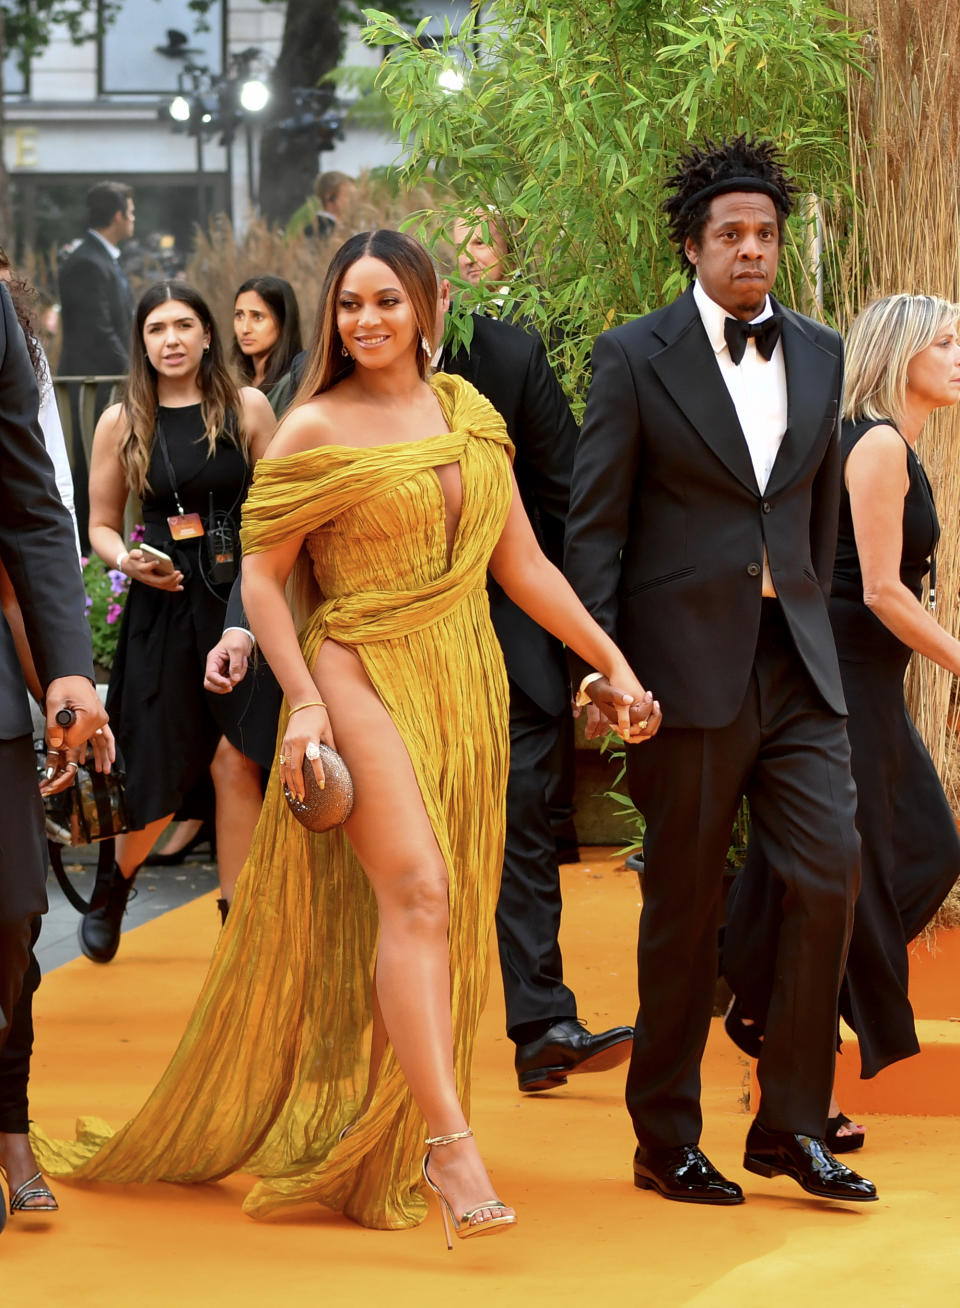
<point x="758" y="389"/>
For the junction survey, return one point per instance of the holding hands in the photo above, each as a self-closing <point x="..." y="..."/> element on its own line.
<point x="621" y="704"/>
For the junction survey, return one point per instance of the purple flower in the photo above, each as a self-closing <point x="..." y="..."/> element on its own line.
<point x="83" y="560"/>
<point x="113" y="613"/>
<point x="118" y="581"/>
<point x="88" y="605"/>
<point x="136" y="533"/>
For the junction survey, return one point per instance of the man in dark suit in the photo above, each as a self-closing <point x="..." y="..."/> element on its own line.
<point x="701" y="533"/>
<point x="509" y="366"/>
<point x="38" y="550"/>
<point x="97" y="312"/>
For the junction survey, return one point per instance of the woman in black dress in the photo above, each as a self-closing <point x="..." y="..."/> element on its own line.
<point x="903" y="361"/>
<point x="185" y="440"/>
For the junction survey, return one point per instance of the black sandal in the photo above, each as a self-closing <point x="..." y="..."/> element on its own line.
<point x="842" y="1144"/>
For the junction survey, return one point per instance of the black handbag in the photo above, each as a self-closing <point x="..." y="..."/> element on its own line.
<point x="91" y="811"/>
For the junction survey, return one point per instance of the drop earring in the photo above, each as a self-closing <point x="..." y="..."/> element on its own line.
<point x="344" y="351"/>
<point x="426" y="346"/>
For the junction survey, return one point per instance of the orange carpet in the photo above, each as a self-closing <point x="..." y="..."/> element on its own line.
<point x="585" y="1234"/>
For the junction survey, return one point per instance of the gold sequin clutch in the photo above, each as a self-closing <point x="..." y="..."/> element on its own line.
<point x="319" y="810"/>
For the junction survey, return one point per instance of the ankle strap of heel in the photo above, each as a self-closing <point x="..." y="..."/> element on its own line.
<point x="448" y="1139"/>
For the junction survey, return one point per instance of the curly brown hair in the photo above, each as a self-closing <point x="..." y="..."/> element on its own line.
<point x="24" y="296"/>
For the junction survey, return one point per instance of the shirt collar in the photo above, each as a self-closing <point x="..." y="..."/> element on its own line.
<point x="713" y="317"/>
<point x="112" y="250"/>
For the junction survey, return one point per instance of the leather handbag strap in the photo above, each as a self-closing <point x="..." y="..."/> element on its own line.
<point x="105" y="860"/>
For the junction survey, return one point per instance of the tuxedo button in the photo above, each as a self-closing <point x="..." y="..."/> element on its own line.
<point x="754" y="569"/>
<point x="766" y="506"/>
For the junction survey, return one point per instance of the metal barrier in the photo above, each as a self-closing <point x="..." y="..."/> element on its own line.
<point x="91" y="401"/>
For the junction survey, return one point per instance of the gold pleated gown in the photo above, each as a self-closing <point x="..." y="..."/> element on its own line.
<point x="273" y="1062"/>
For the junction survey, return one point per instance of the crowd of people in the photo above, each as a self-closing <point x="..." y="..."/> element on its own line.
<point x="727" y="563"/>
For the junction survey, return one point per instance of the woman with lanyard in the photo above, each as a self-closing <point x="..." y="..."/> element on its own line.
<point x="184" y="440"/>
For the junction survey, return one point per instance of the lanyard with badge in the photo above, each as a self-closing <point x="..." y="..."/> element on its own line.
<point x="183" y="526"/>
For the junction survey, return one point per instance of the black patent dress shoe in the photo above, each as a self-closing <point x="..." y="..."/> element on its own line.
<point x="806" y="1160"/>
<point x="568" y="1047"/>
<point x="684" y="1173"/>
<point x="99" y="932"/>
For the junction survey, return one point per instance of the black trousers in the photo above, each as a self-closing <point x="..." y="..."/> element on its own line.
<point x="529" y="906"/>
<point x="788" y="753"/>
<point x="23" y="869"/>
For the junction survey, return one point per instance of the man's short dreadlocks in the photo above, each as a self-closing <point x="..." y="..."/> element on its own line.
<point x="703" y="173"/>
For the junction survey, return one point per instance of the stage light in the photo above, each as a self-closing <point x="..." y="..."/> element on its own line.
<point x="254" y="95"/>
<point x="180" y="109"/>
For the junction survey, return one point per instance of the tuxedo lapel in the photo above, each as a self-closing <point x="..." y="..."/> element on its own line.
<point x="688" y="369"/>
<point x="807" y="400"/>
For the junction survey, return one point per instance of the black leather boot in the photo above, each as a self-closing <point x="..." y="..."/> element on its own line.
<point x="99" y="932"/>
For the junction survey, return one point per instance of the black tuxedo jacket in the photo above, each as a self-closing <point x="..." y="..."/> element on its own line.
<point x="97" y="313"/>
<point x="37" y="543"/>
<point x="509" y="366"/>
<point x="667" y="525"/>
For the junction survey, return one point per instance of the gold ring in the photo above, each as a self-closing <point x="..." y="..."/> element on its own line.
<point x="643" y="725"/>
<point x="281" y="760"/>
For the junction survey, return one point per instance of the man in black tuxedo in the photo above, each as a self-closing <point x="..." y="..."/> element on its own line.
<point x="38" y="550"/>
<point x="701" y="533"/>
<point x="97" y="311"/>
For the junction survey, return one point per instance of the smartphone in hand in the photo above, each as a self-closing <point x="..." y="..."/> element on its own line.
<point x="163" y="561"/>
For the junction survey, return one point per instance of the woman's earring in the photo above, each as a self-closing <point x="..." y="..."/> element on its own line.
<point x="426" y="346"/>
<point x="206" y="347"/>
<point x="344" y="351"/>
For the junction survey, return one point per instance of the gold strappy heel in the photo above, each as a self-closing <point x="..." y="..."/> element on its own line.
<point x="465" y="1227"/>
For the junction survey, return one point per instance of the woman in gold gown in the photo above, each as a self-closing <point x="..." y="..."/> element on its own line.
<point x="341" y="1006"/>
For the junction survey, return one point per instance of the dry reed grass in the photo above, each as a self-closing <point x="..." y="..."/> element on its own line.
<point x="221" y="262"/>
<point x="903" y="234"/>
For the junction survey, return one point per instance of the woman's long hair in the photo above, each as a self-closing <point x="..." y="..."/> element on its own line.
<point x="882" y="340"/>
<point x="326" y="364"/>
<point x="407" y="258"/>
<point x="222" y="413"/>
<point x="279" y="297"/>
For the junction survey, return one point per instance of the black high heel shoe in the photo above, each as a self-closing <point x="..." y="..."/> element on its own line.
<point x="206" y="833"/>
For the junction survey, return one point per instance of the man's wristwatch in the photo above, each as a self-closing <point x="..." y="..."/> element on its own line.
<point x="582" y="698"/>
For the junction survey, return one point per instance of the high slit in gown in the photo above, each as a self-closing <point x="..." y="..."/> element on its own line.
<point x="274" y="1060"/>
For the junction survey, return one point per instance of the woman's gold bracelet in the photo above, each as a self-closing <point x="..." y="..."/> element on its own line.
<point x="311" y="703"/>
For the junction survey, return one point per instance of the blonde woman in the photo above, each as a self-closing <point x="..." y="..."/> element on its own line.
<point x="903" y="362"/>
<point x="184" y="441"/>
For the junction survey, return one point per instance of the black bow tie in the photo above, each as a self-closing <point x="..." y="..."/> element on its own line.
<point x="736" y="333"/>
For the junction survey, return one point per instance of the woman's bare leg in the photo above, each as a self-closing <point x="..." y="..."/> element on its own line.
<point x="182" y="835"/>
<point x="236" y="781"/>
<point x="134" y="846"/>
<point x="394" y="841"/>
